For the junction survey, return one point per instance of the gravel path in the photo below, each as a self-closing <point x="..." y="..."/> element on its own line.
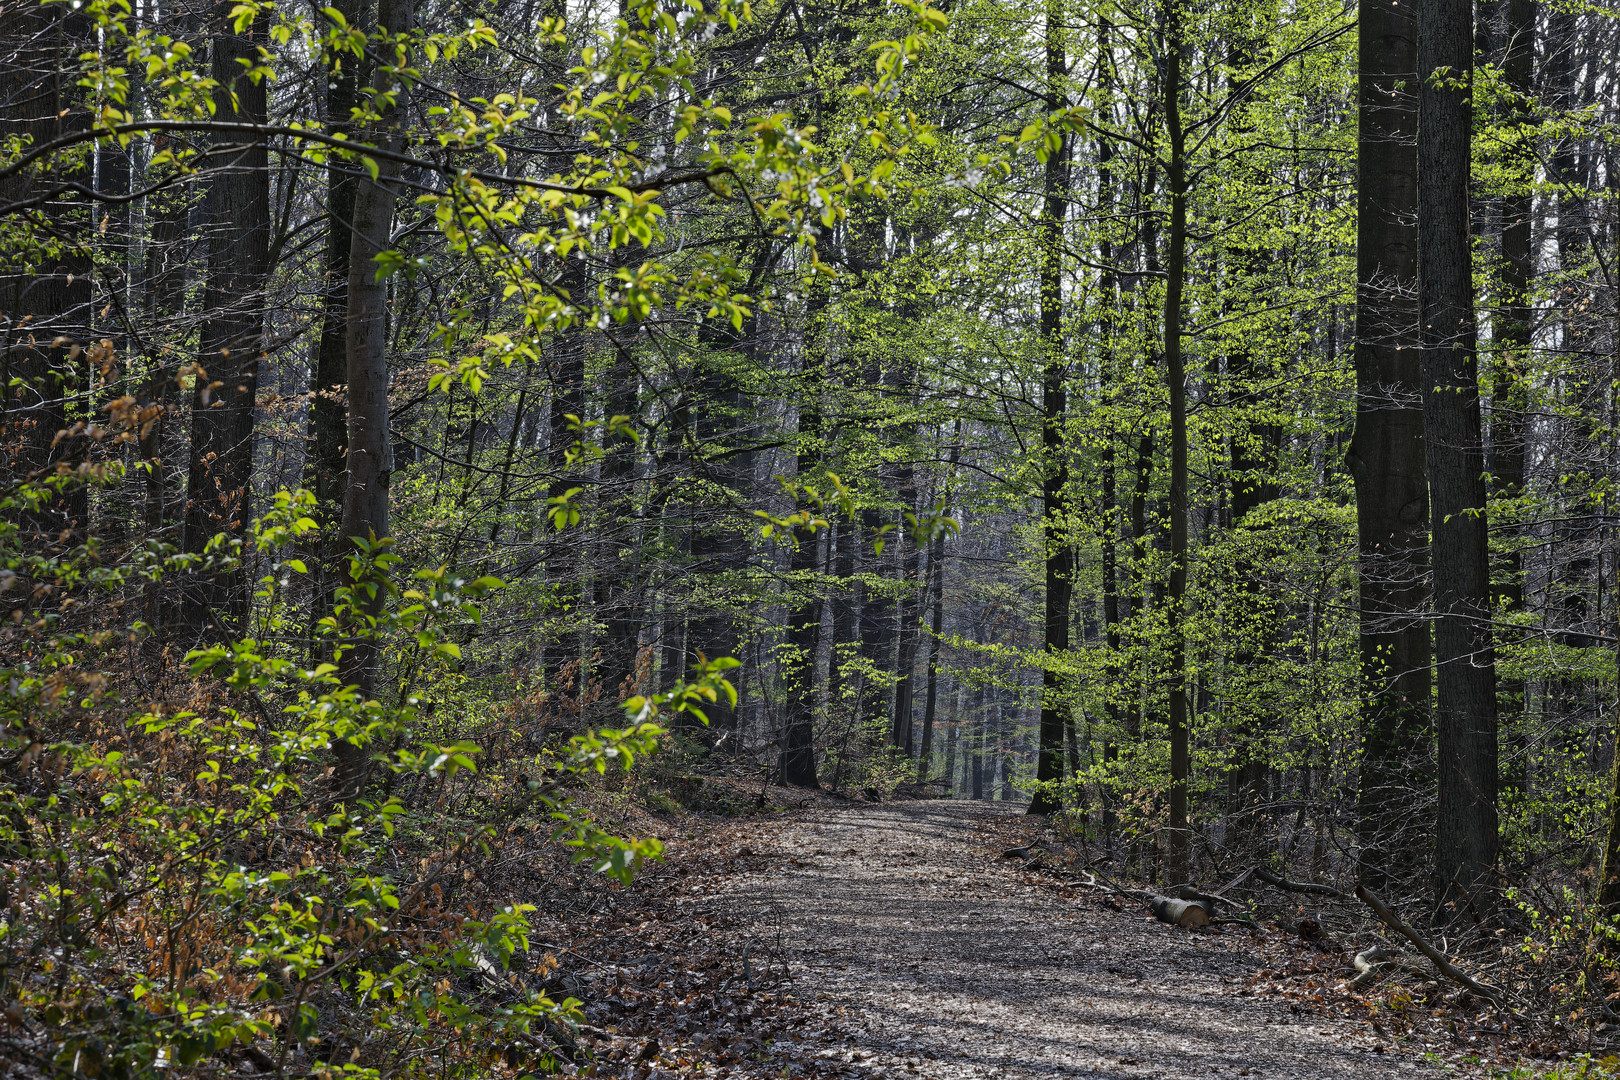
<point x="934" y="958"/>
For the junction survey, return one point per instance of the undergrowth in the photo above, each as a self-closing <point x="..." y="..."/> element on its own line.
<point x="186" y="886"/>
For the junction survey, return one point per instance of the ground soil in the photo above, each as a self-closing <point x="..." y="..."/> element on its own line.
<point x="909" y="947"/>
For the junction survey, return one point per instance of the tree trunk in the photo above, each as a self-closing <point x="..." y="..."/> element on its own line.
<point x="370" y="451"/>
<point x="1108" y="288"/>
<point x="1137" y="603"/>
<point x="719" y="546"/>
<point x="232" y="337"/>
<point x="45" y="296"/>
<point x="1255" y="452"/>
<point x="1465" y="726"/>
<point x="908" y="612"/>
<point x="1608" y="891"/>
<point x="845" y="610"/>
<point x="618" y="538"/>
<point x="1386" y="456"/>
<point x="1059" y="553"/>
<point x="565" y="363"/>
<point x="936" y="587"/>
<point x="877" y="629"/>
<point x="1176" y="376"/>
<point x="328" y="409"/>
<point x="980" y="722"/>
<point x="804" y="620"/>
<point x="1510" y="401"/>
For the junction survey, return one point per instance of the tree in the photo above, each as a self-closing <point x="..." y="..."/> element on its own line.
<point x="1465" y="663"/>
<point x="1175" y="277"/>
<point x="1059" y="557"/>
<point x="45" y="284"/>
<point x="1386" y="455"/>
<point x="370" y="452"/>
<point x="231" y="340"/>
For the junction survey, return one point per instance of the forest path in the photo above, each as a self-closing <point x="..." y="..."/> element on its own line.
<point x="934" y="958"/>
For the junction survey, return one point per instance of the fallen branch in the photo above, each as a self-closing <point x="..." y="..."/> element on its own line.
<point x="1298" y="886"/>
<point x="1097" y="881"/>
<point x="1490" y="993"/>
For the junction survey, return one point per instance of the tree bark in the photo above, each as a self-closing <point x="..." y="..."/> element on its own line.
<point x="1059" y="553"/>
<point x="1386" y="456"/>
<point x="370" y="450"/>
<point x="618" y="540"/>
<point x="910" y="625"/>
<point x="565" y="362"/>
<point x="798" y="759"/>
<point x="1176" y="376"/>
<point x="1465" y="728"/>
<point x="936" y="587"/>
<point x="231" y="342"/>
<point x="327" y="433"/>
<point x="719" y="546"/>
<point x="1510" y="389"/>
<point x="45" y="297"/>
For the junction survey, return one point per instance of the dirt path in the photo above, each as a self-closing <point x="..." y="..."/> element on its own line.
<point x="931" y="957"/>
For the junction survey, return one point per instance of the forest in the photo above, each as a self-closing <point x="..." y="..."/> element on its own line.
<point x="1196" y="420"/>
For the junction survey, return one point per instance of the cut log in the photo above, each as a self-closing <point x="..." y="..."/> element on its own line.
<point x="1176" y="912"/>
<point x="1189" y="892"/>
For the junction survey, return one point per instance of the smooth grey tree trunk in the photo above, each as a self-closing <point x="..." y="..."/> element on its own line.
<point x="798" y="754"/>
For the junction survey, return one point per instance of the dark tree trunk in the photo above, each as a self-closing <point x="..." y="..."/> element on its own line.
<point x="328" y="409"/>
<point x="845" y="611"/>
<point x="1386" y="455"/>
<point x="1255" y="461"/>
<point x="936" y="604"/>
<point x="877" y="629"/>
<point x="1108" y="288"/>
<point x="1510" y="400"/>
<point x="1137" y="603"/>
<point x="981" y="723"/>
<point x="1608" y="890"/>
<point x="1059" y="554"/>
<point x="1465" y="727"/>
<point x="1176" y="376"/>
<point x="909" y="619"/>
<point x="45" y="296"/>
<point x="370" y="450"/>
<point x="232" y="337"/>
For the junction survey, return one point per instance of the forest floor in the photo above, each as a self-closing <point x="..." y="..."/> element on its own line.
<point x="893" y="940"/>
<point x="942" y="960"/>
